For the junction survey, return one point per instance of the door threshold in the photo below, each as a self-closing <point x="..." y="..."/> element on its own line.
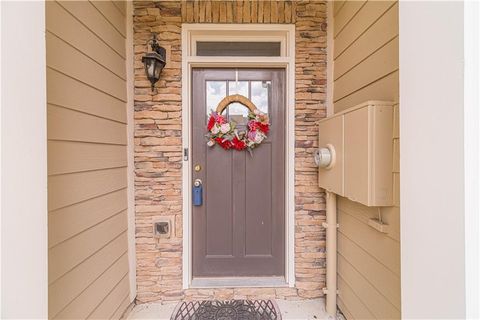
<point x="238" y="282"/>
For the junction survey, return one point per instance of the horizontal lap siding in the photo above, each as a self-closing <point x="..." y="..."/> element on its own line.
<point x="366" y="68"/>
<point x="87" y="159"/>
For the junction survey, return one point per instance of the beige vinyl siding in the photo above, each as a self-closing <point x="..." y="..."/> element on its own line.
<point x="366" y="68"/>
<point x="87" y="159"/>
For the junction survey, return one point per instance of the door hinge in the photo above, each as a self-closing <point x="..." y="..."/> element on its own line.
<point x="185" y="154"/>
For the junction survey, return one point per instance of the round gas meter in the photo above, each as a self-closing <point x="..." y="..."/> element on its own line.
<point x="325" y="157"/>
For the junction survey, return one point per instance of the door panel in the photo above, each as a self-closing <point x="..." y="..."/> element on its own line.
<point x="217" y="198"/>
<point x="258" y="214"/>
<point x="239" y="230"/>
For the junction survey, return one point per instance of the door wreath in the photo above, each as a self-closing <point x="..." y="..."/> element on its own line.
<point x="225" y="134"/>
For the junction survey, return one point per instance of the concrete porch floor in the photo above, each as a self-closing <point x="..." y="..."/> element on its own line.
<point x="291" y="310"/>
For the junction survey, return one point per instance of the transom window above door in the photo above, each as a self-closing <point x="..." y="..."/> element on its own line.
<point x="209" y="40"/>
<point x="238" y="49"/>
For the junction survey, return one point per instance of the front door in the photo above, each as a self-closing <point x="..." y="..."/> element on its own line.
<point x="239" y="229"/>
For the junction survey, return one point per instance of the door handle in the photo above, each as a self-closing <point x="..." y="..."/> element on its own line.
<point x="197" y="196"/>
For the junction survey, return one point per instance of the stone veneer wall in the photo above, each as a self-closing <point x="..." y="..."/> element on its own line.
<point x="158" y="142"/>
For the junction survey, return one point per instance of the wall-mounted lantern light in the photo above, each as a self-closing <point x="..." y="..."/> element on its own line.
<point x="154" y="61"/>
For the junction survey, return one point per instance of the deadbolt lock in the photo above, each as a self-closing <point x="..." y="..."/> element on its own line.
<point x="197" y="168"/>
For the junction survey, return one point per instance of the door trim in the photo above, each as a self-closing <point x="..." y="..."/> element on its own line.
<point x="250" y="32"/>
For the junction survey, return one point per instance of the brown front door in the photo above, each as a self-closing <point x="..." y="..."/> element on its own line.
<point x="239" y="230"/>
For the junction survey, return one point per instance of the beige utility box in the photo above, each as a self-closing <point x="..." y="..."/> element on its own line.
<point x="361" y="142"/>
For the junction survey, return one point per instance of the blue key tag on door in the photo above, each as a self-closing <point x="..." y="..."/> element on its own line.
<point x="197" y="193"/>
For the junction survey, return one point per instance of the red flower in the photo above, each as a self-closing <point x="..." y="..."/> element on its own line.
<point x="211" y="123"/>
<point x="252" y="125"/>
<point x="238" y="144"/>
<point x="225" y="144"/>
<point x="221" y="119"/>
<point x="264" y="127"/>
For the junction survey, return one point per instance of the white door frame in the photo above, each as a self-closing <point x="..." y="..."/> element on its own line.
<point x="285" y="33"/>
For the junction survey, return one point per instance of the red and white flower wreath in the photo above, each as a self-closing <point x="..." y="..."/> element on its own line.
<point x="225" y="134"/>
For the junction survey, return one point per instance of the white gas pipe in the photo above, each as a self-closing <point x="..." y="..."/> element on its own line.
<point x="331" y="226"/>
<point x="325" y="158"/>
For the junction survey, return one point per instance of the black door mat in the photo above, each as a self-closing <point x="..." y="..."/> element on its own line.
<point x="227" y="310"/>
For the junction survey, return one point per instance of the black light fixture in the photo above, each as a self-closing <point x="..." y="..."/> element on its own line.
<point x="154" y="61"/>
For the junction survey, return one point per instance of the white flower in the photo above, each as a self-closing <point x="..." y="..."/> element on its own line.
<point x="215" y="129"/>
<point x="225" y="127"/>
<point x="258" y="138"/>
<point x="211" y="143"/>
<point x="256" y="111"/>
